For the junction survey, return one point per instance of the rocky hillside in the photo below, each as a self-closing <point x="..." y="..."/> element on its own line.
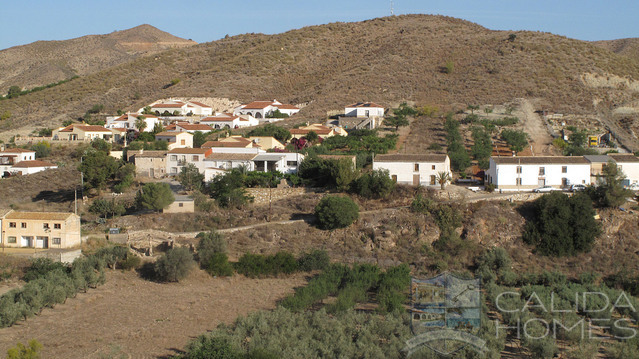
<point x="626" y="47"/>
<point x="435" y="60"/>
<point x="45" y="62"/>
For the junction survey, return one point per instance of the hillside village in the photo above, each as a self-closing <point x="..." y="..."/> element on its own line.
<point x="296" y="222"/>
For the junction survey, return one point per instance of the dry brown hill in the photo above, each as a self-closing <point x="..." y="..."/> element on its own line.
<point x="45" y="62"/>
<point x="626" y="47"/>
<point x="385" y="60"/>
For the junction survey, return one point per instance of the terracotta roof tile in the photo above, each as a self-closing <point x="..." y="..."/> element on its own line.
<point x="403" y="157"/>
<point x="33" y="163"/>
<point x="52" y="216"/>
<point x="540" y="160"/>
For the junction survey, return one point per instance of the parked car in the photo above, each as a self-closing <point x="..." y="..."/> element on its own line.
<point x="544" y="189"/>
<point x="577" y="187"/>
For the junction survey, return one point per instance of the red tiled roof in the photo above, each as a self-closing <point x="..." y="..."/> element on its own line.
<point x="257" y="105"/>
<point x="189" y="151"/>
<point x="219" y="119"/>
<point x="92" y="128"/>
<point x="33" y="163"/>
<point x="303" y="131"/>
<point x="190" y="127"/>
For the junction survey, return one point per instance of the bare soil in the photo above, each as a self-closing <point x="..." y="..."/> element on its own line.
<point x="134" y="318"/>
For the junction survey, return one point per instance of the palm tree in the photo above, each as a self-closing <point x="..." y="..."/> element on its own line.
<point x="140" y="124"/>
<point x="442" y="178"/>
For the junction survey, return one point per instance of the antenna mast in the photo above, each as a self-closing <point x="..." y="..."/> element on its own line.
<point x="392" y="11"/>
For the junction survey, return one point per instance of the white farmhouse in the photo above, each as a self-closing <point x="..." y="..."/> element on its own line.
<point x="527" y="173"/>
<point x="29" y="167"/>
<point x="180" y="157"/>
<point x="415" y="169"/>
<point x="128" y="121"/>
<point x="364" y="109"/>
<point x="260" y="109"/>
<point x="285" y="162"/>
<point x="227" y="120"/>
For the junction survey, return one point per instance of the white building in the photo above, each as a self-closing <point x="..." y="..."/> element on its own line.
<point x="260" y="109"/>
<point x="414" y="169"/>
<point x="180" y="157"/>
<point x="12" y="156"/>
<point x="199" y="109"/>
<point x="627" y="163"/>
<point x="227" y="161"/>
<point x="285" y="162"/>
<point x="182" y="127"/>
<point x="364" y="109"/>
<point x="30" y="167"/>
<point x="227" y="120"/>
<point x="527" y="173"/>
<point x="181" y="108"/>
<point x="128" y="121"/>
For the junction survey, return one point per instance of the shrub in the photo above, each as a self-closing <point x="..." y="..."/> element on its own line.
<point x="393" y="288"/>
<point x="562" y="225"/>
<point x="191" y="178"/>
<point x="40" y="267"/>
<point x="218" y="265"/>
<point x="42" y="149"/>
<point x="20" y="351"/>
<point x="174" y="265"/>
<point x="314" y="260"/>
<point x="336" y="212"/>
<point x="210" y="243"/>
<point x="155" y="196"/>
<point x="374" y="184"/>
<point x="257" y="265"/>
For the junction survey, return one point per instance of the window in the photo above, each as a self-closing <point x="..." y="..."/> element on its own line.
<point x="180" y="204"/>
<point x="183" y="142"/>
<point x="433" y="180"/>
<point x="55" y="241"/>
<point x="518" y="181"/>
<point x="196" y="158"/>
<point x="174" y="170"/>
<point x="12" y="224"/>
<point x="416" y="167"/>
<point x="564" y="182"/>
<point x="173" y="157"/>
<point x="564" y="169"/>
<point x="518" y="169"/>
<point x="45" y="225"/>
<point x="542" y="171"/>
<point x="291" y="163"/>
<point x="11" y="239"/>
<point x="394" y="178"/>
<point x="433" y="167"/>
<point x="23" y="225"/>
<point x="57" y="226"/>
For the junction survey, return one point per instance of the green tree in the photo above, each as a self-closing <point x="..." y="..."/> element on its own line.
<point x="140" y="124"/>
<point x="442" y="178"/>
<point x="98" y="168"/>
<point x="105" y="208"/>
<point x="343" y="172"/>
<point x="516" y="140"/>
<point x="276" y="114"/>
<point x="175" y="265"/>
<point x="396" y="121"/>
<point x="311" y="136"/>
<point x="334" y="212"/>
<point x="42" y="149"/>
<point x="101" y="145"/>
<point x="14" y="91"/>
<point x="482" y="147"/>
<point x="281" y="134"/>
<point x="610" y="191"/>
<point x="199" y="138"/>
<point x="157" y="128"/>
<point x="155" y="196"/>
<point x="562" y="225"/>
<point x="191" y="178"/>
<point x="228" y="189"/>
<point x="472" y="108"/>
<point x="147" y="111"/>
<point x="5" y="115"/>
<point x="374" y="184"/>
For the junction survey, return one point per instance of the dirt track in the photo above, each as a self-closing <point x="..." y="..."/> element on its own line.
<point x="140" y="319"/>
<point x="534" y="126"/>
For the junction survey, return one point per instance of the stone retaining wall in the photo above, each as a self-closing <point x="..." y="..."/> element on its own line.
<point x="261" y="195"/>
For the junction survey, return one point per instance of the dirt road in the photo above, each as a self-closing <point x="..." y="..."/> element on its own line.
<point x="135" y="318"/>
<point x="535" y="127"/>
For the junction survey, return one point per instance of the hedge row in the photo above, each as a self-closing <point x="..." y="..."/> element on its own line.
<point x="50" y="283"/>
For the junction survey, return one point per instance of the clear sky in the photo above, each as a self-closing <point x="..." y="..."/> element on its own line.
<point x="27" y="21"/>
